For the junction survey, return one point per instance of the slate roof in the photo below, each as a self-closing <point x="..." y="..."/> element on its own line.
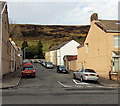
<point x="1" y="6"/>
<point x="56" y="47"/>
<point x="111" y="26"/>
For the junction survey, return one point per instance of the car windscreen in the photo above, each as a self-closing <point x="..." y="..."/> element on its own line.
<point x="62" y="67"/>
<point x="29" y="69"/>
<point x="90" y="70"/>
<point x="49" y="63"/>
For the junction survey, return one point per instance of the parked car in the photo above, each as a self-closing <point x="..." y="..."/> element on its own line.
<point x="62" y="68"/>
<point x="48" y="65"/>
<point x="26" y="62"/>
<point x="27" y="66"/>
<point x="43" y="63"/>
<point x="28" y="72"/>
<point x="35" y="61"/>
<point x="86" y="74"/>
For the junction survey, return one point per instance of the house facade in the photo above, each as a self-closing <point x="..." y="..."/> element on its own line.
<point x="4" y="39"/>
<point x="70" y="62"/>
<point x="9" y="59"/>
<point x="101" y="50"/>
<point x="56" y="54"/>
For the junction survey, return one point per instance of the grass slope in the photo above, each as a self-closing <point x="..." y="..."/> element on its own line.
<point x="48" y="34"/>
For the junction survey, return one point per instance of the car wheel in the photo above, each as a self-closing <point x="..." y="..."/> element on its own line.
<point x="74" y="77"/>
<point x="81" y="79"/>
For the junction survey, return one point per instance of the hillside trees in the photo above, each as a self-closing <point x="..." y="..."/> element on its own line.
<point x="33" y="51"/>
<point x="39" y="50"/>
<point x="24" y="45"/>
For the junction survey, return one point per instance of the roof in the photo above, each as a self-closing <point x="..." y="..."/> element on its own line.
<point x="1" y="6"/>
<point x="56" y="47"/>
<point x="117" y="52"/>
<point x="80" y="46"/>
<point x="70" y="57"/>
<point x="111" y="26"/>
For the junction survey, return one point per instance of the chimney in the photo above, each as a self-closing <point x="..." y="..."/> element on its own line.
<point x="94" y="16"/>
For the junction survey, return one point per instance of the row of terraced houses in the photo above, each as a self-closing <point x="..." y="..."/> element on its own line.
<point x="10" y="54"/>
<point x="101" y="49"/>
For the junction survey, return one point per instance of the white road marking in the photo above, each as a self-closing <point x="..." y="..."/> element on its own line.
<point x="80" y="82"/>
<point x="63" y="84"/>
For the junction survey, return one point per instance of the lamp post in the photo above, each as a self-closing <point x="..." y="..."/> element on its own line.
<point x="24" y="52"/>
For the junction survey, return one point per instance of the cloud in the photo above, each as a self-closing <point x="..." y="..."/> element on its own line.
<point x="70" y="13"/>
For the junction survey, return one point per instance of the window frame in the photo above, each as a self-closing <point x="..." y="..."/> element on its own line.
<point x="116" y="40"/>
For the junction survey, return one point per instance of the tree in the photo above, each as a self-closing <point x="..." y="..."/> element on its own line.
<point x="24" y="45"/>
<point x="39" y="50"/>
<point x="31" y="52"/>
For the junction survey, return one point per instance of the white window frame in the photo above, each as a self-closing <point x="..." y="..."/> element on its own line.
<point x="116" y="40"/>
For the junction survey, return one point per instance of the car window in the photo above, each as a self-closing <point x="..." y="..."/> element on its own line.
<point x="29" y="69"/>
<point x="90" y="70"/>
<point x="62" y="67"/>
<point x="49" y="63"/>
<point x="81" y="70"/>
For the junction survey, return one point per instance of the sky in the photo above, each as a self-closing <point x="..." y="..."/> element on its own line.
<point x="60" y="12"/>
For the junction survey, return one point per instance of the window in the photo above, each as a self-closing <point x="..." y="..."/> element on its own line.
<point x="117" y="41"/>
<point x="116" y="64"/>
<point x="86" y="45"/>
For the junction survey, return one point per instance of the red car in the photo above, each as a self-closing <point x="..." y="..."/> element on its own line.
<point x="27" y="64"/>
<point x="28" y="72"/>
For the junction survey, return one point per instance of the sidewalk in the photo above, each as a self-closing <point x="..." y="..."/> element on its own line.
<point x="107" y="82"/>
<point x="11" y="79"/>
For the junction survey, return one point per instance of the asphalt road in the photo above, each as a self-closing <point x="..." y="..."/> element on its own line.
<point x="50" y="87"/>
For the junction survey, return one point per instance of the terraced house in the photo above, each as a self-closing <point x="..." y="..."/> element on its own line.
<point x="57" y="53"/>
<point x="101" y="49"/>
<point x="7" y="49"/>
<point x="4" y="39"/>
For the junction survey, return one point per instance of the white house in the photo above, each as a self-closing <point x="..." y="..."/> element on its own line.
<point x="57" y="53"/>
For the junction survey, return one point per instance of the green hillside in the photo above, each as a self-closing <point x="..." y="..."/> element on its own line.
<point x="48" y="34"/>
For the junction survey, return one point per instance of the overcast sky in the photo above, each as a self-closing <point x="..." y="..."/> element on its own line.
<point x="61" y="13"/>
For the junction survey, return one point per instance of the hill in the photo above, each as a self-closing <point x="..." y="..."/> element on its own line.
<point x="48" y="34"/>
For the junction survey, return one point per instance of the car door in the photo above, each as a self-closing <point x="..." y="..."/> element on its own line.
<point x="78" y="73"/>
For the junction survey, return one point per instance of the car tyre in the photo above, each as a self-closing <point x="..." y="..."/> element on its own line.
<point x="74" y="76"/>
<point x="81" y="79"/>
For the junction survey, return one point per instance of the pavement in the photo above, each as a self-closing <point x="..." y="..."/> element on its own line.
<point x="13" y="79"/>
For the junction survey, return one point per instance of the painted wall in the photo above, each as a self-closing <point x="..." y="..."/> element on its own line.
<point x="5" y="44"/>
<point x="97" y="51"/>
<point x="69" y="49"/>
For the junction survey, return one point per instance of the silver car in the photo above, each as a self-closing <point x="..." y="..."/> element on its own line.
<point x="48" y="65"/>
<point x="86" y="74"/>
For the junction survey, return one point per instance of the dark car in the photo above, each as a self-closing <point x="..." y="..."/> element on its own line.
<point x="62" y="68"/>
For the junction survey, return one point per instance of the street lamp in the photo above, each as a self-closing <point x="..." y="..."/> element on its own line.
<point x="24" y="51"/>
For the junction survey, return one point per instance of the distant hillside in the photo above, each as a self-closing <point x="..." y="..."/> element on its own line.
<point x="48" y="34"/>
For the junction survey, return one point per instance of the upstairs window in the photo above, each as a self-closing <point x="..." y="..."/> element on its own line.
<point x="117" y="41"/>
<point x="86" y="45"/>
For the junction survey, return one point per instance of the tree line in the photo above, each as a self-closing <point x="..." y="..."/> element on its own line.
<point x="32" y="52"/>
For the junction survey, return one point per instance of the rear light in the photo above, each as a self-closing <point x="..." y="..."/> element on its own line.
<point x="97" y="75"/>
<point x="86" y="74"/>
